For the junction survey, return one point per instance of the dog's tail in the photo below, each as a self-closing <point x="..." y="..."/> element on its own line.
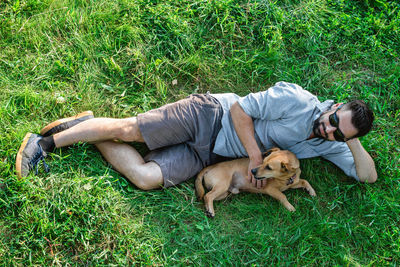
<point x="199" y="184"/>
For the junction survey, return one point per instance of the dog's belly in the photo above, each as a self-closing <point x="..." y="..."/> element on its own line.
<point x="238" y="182"/>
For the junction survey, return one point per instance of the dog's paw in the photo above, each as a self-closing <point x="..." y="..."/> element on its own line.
<point x="291" y="208"/>
<point x="209" y="214"/>
<point x="311" y="191"/>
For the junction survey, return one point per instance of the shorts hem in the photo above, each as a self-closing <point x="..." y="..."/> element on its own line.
<point x="167" y="182"/>
<point x="143" y="132"/>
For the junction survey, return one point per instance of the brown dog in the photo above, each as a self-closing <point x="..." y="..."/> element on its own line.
<point x="281" y="168"/>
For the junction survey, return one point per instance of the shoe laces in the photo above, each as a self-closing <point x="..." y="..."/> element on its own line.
<point x="39" y="157"/>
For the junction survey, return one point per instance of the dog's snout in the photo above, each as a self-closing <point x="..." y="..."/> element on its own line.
<point x="254" y="171"/>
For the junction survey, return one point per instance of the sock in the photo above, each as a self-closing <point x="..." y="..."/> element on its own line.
<point x="47" y="143"/>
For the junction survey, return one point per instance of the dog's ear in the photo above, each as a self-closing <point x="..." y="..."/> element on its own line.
<point x="266" y="154"/>
<point x="284" y="167"/>
<point x="288" y="166"/>
<point x="269" y="151"/>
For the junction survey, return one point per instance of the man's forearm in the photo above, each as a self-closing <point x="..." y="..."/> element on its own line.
<point x="244" y="127"/>
<point x="365" y="165"/>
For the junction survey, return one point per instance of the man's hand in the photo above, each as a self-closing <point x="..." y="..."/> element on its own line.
<point x="254" y="163"/>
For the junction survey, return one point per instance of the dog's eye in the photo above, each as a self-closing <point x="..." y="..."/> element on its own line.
<point x="268" y="167"/>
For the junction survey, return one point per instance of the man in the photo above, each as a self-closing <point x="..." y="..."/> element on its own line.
<point x="188" y="135"/>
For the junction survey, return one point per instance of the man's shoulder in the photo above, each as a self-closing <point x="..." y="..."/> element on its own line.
<point x="289" y="88"/>
<point x="291" y="92"/>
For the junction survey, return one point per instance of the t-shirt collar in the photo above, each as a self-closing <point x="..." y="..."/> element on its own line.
<point x="322" y="107"/>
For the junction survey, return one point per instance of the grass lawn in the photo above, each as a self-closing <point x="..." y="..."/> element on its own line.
<point x="119" y="58"/>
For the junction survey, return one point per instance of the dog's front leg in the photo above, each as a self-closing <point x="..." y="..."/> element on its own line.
<point x="275" y="193"/>
<point x="304" y="184"/>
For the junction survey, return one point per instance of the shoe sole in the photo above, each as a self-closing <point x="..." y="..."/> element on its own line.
<point x="18" y="162"/>
<point x="50" y="126"/>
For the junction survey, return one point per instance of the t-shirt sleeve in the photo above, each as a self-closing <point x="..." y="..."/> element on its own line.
<point x="272" y="104"/>
<point x="343" y="158"/>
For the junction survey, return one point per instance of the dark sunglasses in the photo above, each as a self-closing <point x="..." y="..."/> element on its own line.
<point x="334" y="121"/>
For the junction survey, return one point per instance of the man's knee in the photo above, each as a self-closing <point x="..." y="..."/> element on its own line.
<point x="147" y="176"/>
<point x="146" y="185"/>
<point x="370" y="180"/>
<point x="128" y="130"/>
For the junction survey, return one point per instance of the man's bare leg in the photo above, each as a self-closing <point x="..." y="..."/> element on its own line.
<point x="100" y="129"/>
<point x="123" y="157"/>
<point x="126" y="160"/>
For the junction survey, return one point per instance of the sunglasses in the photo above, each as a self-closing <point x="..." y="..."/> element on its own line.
<point x="334" y="121"/>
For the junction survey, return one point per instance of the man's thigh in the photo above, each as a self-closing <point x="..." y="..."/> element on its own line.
<point x="178" y="163"/>
<point x="165" y="126"/>
<point x="192" y="119"/>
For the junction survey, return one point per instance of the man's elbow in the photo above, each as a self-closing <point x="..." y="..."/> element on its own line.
<point x="369" y="179"/>
<point x="235" y="108"/>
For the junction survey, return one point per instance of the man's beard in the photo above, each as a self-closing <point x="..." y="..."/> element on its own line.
<point x="316" y="130"/>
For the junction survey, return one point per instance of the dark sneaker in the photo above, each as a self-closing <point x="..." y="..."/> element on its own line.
<point x="29" y="156"/>
<point x="66" y="123"/>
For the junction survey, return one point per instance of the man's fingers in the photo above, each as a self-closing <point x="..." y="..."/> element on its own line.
<point x="254" y="181"/>
<point x="261" y="183"/>
<point x="251" y="178"/>
<point x="257" y="183"/>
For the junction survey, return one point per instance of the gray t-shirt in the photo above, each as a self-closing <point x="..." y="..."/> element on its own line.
<point x="283" y="116"/>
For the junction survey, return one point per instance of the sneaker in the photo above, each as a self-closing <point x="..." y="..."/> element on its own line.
<point x="66" y="123"/>
<point x="29" y="156"/>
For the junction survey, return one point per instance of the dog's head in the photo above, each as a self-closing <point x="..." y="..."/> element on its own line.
<point x="278" y="164"/>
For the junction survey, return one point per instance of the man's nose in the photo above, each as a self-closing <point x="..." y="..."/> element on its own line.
<point x="329" y="129"/>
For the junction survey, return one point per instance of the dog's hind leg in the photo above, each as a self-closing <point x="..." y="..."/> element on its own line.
<point x="222" y="196"/>
<point x="218" y="192"/>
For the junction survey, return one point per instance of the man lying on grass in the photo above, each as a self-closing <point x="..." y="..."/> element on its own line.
<point x="190" y="134"/>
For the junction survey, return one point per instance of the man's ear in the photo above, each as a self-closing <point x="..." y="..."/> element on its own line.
<point x="269" y="151"/>
<point x="335" y="106"/>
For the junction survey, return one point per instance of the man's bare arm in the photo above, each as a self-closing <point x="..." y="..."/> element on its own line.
<point x="244" y="128"/>
<point x="365" y="165"/>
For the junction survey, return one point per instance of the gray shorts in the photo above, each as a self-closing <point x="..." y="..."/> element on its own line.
<point x="181" y="136"/>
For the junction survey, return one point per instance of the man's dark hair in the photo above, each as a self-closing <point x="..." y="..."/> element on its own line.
<point x="362" y="116"/>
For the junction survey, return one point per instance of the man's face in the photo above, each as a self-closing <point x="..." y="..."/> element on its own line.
<point x="323" y="128"/>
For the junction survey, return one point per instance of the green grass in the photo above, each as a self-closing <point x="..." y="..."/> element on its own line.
<point x="119" y="58"/>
